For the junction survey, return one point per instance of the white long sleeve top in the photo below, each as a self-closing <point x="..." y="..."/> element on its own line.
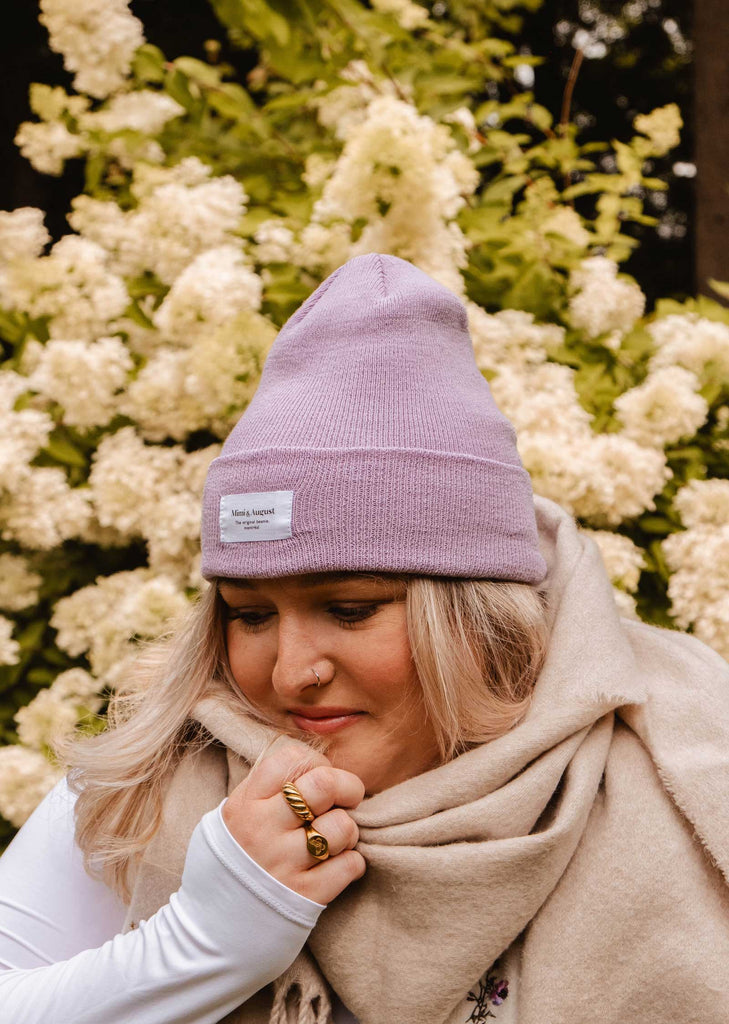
<point x="63" y="959"/>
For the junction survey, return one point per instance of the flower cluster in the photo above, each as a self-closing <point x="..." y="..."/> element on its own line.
<point x="698" y="558"/>
<point x="664" y="408"/>
<point x="624" y="562"/>
<point x="601" y="478"/>
<point x="402" y="175"/>
<point x="182" y="212"/>
<point x="26" y="776"/>
<point x="55" y="712"/>
<point x="73" y="286"/>
<point x="510" y="337"/>
<point x="18" y="583"/>
<point x="97" y="38"/>
<point x="85" y="377"/>
<point x="154" y="493"/>
<point x="603" y="302"/>
<point x="9" y="648"/>
<point x="694" y="342"/>
<point x="103" y="619"/>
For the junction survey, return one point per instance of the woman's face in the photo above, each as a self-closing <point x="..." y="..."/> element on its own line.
<point x="352" y="630"/>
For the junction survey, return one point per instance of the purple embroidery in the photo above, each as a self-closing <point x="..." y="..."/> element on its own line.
<point x="491" y="989"/>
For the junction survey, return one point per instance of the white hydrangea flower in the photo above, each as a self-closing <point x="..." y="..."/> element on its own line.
<point x="215" y="287"/>
<point x="18" y="584"/>
<point x="510" y="338"/>
<point x="103" y="619"/>
<point x="274" y="241"/>
<point x="626" y="604"/>
<point x="12" y="386"/>
<point x="153" y="493"/>
<point x="703" y="503"/>
<point x="72" y="285"/>
<point x="42" y="510"/>
<point x="662" y="126"/>
<point x="127" y="477"/>
<point x="623" y="559"/>
<point x="407" y="201"/>
<point x="25" y="778"/>
<point x="97" y="38"/>
<point x="699" y="561"/>
<point x="204" y="387"/>
<point x="601" y="478"/>
<point x="227" y="367"/>
<point x="163" y="400"/>
<point x="47" y="145"/>
<point x="463" y="117"/>
<point x="694" y="342"/>
<point x="146" y="110"/>
<point x="84" y="377"/>
<point x="602" y="301"/>
<point x="542" y="399"/>
<point x="23" y="234"/>
<point x="78" y="686"/>
<point x="345" y="107"/>
<point x="188" y="172"/>
<point x="409" y="15"/>
<point x="566" y="222"/>
<point x="173" y="223"/>
<point x="664" y="408"/>
<point x="45" y="720"/>
<point x="9" y="648"/>
<point x="22" y="435"/>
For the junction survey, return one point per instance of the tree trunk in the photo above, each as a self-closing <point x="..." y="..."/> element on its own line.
<point x="711" y="109"/>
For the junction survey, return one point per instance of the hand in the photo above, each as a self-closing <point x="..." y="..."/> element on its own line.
<point x="260" y="820"/>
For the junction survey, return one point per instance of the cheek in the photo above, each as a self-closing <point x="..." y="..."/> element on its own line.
<point x="388" y="664"/>
<point x="247" y="660"/>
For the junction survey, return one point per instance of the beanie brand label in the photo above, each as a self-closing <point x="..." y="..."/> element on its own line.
<point x="260" y="515"/>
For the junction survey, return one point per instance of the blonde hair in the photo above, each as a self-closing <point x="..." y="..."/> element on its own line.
<point x="477" y="647"/>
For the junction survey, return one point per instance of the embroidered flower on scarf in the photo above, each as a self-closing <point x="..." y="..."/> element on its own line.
<point x="491" y="990"/>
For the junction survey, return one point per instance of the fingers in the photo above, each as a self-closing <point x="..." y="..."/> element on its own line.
<point x="285" y="761"/>
<point x="262" y="822"/>
<point x="338" y="829"/>
<point x="324" y="882"/>
<point x="321" y="787"/>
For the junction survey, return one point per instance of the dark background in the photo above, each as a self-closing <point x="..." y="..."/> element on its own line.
<point x="650" y="66"/>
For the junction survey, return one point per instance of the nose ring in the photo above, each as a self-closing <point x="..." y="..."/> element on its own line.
<point x="318" y="680"/>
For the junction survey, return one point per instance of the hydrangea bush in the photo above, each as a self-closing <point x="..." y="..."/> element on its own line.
<point x="212" y="208"/>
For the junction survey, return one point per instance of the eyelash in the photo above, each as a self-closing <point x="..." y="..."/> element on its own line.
<point x="358" y="613"/>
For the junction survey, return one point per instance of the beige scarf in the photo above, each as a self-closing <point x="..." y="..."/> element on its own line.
<point x="596" y="844"/>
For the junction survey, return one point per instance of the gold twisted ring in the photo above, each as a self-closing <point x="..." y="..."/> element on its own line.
<point x="316" y="843"/>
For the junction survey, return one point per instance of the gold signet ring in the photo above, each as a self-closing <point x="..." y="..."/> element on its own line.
<point x="296" y="802"/>
<point x="316" y="843"/>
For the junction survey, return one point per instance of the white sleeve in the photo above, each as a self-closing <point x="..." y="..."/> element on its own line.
<point x="230" y="929"/>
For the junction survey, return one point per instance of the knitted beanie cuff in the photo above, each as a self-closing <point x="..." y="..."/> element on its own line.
<point x="378" y="510"/>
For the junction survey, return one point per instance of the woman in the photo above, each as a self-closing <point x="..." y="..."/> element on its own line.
<point x="406" y="697"/>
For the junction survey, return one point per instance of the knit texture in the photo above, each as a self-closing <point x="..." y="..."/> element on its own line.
<point x="375" y="438"/>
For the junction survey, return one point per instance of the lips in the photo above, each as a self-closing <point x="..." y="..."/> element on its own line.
<point x="324" y="719"/>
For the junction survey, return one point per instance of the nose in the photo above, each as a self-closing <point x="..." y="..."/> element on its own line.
<point x="297" y="652"/>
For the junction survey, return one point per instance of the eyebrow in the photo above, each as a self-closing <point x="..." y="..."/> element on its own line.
<point x="309" y="580"/>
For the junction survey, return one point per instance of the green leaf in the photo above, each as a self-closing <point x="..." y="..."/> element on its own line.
<point x="720" y="287"/>
<point x="656" y="524"/>
<point x="148" y="64"/>
<point x="198" y="71"/>
<point x="12" y="327"/>
<point x="231" y="100"/>
<point x="178" y="87"/>
<point x="64" y="451"/>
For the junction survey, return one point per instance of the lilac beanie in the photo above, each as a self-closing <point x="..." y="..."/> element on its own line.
<point x="372" y="443"/>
